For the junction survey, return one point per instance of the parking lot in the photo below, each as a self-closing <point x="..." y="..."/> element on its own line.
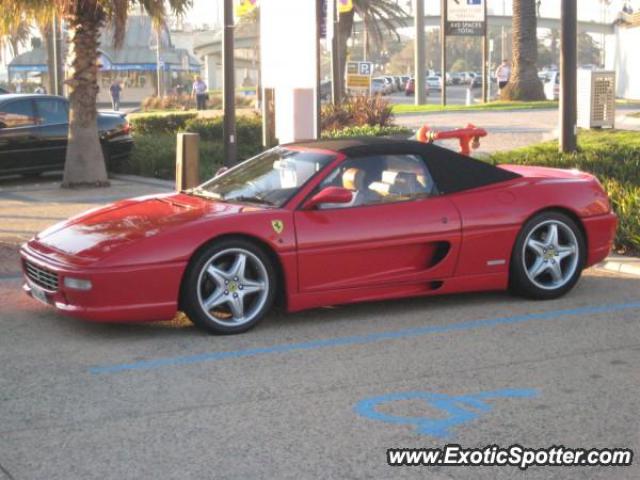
<point x="321" y="394"/>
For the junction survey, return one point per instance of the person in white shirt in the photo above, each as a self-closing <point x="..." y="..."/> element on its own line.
<point x="199" y="91"/>
<point x="503" y="73"/>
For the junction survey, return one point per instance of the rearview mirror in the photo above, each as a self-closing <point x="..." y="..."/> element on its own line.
<point x="329" y="195"/>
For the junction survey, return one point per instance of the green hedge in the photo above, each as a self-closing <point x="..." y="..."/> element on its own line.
<point x="154" y="152"/>
<point x="613" y="157"/>
<point x="159" y="123"/>
<point x="369" y="131"/>
<point x="248" y="129"/>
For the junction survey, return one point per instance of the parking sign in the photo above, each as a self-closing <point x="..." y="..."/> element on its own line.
<point x="365" y="68"/>
<point x="466" y="17"/>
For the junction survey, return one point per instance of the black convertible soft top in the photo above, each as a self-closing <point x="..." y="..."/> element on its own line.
<point x="451" y="171"/>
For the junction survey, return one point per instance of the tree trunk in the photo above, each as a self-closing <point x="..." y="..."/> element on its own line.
<point x="47" y="40"/>
<point x="524" y="83"/>
<point x="345" y="28"/>
<point x="84" y="165"/>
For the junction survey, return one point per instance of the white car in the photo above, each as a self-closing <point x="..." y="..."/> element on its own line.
<point x="552" y="86"/>
<point x="378" y="86"/>
<point x="434" y="83"/>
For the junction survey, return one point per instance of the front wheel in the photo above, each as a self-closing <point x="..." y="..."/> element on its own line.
<point x="229" y="287"/>
<point x="548" y="257"/>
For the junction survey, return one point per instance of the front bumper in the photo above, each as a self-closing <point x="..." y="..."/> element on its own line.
<point x="601" y="234"/>
<point x="124" y="294"/>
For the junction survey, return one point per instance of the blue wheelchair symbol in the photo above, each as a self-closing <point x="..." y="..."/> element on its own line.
<point x="460" y="408"/>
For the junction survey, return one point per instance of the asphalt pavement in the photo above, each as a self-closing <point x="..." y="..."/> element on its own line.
<point x="289" y="398"/>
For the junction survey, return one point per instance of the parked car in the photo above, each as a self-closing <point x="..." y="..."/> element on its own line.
<point x="324" y="223"/>
<point x="457" y="78"/>
<point x="552" y="86"/>
<point x="434" y="83"/>
<point x="326" y="90"/>
<point x="410" y="89"/>
<point x="378" y="86"/>
<point x="4" y="91"/>
<point x="391" y="84"/>
<point x="476" y="82"/>
<point x="34" y="130"/>
<point x="398" y="83"/>
<point x="405" y="80"/>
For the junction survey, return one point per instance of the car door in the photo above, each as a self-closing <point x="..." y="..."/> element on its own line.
<point x="18" y="140"/>
<point x="52" y="130"/>
<point x="397" y="229"/>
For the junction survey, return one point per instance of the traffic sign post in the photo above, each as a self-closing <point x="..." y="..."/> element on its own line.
<point x="359" y="77"/>
<point x="464" y="18"/>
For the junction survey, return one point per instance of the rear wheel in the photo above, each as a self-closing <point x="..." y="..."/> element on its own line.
<point x="548" y="257"/>
<point x="229" y="287"/>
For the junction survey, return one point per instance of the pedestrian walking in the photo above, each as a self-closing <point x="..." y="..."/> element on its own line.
<point x="115" y="90"/>
<point x="199" y="91"/>
<point x="503" y="73"/>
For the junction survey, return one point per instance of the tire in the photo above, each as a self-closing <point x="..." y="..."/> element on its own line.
<point x="223" y="294"/>
<point x="545" y="265"/>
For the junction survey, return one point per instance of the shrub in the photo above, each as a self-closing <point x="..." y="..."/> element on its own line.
<point x="158" y="123"/>
<point x="184" y="102"/>
<point x="369" y="131"/>
<point x="357" y="111"/>
<point x="613" y="157"/>
<point x="248" y="129"/>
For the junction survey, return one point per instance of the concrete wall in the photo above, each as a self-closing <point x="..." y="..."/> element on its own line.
<point x="623" y="56"/>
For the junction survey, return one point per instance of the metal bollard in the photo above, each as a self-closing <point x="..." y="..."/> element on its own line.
<point x="187" y="161"/>
<point x="469" y="96"/>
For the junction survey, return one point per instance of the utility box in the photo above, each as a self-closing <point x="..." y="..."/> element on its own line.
<point x="596" y="99"/>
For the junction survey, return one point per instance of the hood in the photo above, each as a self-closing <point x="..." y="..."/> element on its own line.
<point x="101" y="231"/>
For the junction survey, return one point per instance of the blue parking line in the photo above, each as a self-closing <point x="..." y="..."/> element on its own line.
<point x="361" y="339"/>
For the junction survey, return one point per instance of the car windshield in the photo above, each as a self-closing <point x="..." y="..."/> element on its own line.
<point x="270" y="178"/>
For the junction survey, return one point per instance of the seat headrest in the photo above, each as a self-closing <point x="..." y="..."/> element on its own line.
<point x="353" y="179"/>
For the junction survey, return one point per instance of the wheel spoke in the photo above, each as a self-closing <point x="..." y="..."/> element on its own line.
<point x="250" y="286"/>
<point x="565" y="251"/>
<point x="215" y="299"/>
<point x="539" y="267"/>
<point x="536" y="246"/>
<point x="236" y="303"/>
<point x="217" y="275"/>
<point x="556" y="272"/>
<point x="552" y="236"/>
<point x="239" y="266"/>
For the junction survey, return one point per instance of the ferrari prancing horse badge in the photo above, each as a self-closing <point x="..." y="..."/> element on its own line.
<point x="278" y="226"/>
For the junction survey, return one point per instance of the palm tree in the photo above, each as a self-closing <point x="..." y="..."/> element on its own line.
<point x="524" y="83"/>
<point x="85" y="19"/>
<point x="17" y="34"/>
<point x="380" y="17"/>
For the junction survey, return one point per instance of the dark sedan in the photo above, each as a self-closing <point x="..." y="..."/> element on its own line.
<point x="34" y="130"/>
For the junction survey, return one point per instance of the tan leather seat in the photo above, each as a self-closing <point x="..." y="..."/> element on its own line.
<point x="353" y="179"/>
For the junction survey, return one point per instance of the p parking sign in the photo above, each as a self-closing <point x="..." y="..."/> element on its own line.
<point x="359" y="76"/>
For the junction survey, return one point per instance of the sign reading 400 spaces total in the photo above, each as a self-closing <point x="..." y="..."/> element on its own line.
<point x="466" y="17"/>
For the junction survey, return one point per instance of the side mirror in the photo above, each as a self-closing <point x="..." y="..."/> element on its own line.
<point x="329" y="195"/>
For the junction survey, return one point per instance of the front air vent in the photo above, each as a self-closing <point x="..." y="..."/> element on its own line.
<point x="41" y="276"/>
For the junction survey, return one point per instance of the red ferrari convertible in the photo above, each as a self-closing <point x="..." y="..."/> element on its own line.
<point x="324" y="223"/>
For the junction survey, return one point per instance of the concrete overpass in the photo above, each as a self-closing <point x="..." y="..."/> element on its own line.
<point x="431" y="21"/>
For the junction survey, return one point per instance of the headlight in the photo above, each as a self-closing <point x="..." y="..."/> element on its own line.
<point x="77" y="283"/>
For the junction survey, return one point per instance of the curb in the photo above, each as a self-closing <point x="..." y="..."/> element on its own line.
<point x="626" y="265"/>
<point x="156" y="182"/>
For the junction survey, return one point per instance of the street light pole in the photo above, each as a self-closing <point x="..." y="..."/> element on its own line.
<point x="568" y="76"/>
<point x="419" y="60"/>
<point x="229" y="87"/>
<point x="158" y="65"/>
<point x="443" y="52"/>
